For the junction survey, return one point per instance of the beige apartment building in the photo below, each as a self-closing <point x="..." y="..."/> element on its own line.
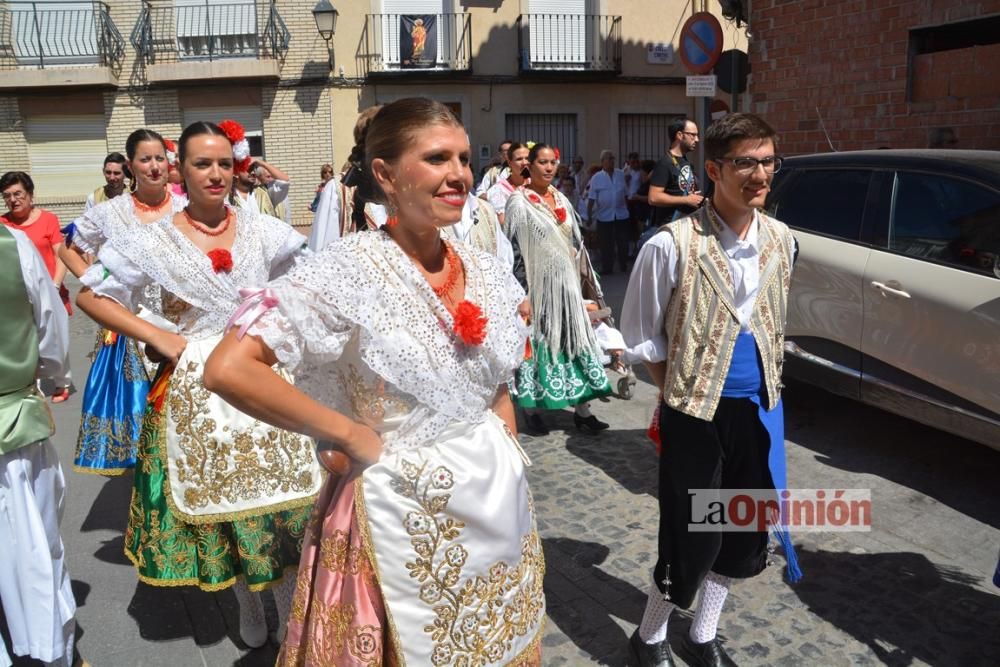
<point x="76" y="77"/>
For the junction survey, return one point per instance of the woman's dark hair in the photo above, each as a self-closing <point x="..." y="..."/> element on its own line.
<point x="136" y="138"/>
<point x="119" y="159"/>
<point x="197" y="129"/>
<point x="395" y="126"/>
<point x="17" y="178"/>
<point x="536" y="149"/>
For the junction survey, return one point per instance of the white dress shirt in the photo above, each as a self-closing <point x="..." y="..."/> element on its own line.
<point x="607" y="191"/>
<point x="655" y="275"/>
<point x="49" y="312"/>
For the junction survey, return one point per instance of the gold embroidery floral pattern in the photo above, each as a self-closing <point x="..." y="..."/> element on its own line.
<point x="370" y="403"/>
<point x="237" y="467"/>
<point x="339" y="632"/>
<point x="478" y="618"/>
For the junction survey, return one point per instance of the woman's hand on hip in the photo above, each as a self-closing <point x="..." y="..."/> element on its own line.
<point x="168" y="346"/>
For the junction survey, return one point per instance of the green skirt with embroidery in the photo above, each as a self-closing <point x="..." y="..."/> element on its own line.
<point x="552" y="383"/>
<point x="166" y="551"/>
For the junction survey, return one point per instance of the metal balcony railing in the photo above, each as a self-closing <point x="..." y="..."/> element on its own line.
<point x="176" y="30"/>
<point x="569" y="42"/>
<point x="41" y="34"/>
<point x="418" y="42"/>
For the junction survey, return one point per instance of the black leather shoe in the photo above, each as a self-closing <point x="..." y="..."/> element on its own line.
<point x="709" y="654"/>
<point x="591" y="423"/>
<point x="536" y="425"/>
<point x="642" y="654"/>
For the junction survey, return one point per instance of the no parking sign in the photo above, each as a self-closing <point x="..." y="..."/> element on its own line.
<point x="701" y="43"/>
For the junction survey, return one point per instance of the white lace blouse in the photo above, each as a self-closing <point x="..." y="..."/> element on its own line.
<point x="195" y="298"/>
<point x="364" y="333"/>
<point x="112" y="218"/>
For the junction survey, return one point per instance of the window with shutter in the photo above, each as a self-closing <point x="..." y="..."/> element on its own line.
<point x="63" y="33"/>
<point x="558" y="32"/>
<point x="222" y="28"/>
<point x="66" y="154"/>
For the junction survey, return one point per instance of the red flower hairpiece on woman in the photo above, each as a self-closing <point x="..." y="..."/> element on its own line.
<point x="470" y="324"/>
<point x="222" y="260"/>
<point x="556" y="151"/>
<point x="171" y="152"/>
<point x="241" y="148"/>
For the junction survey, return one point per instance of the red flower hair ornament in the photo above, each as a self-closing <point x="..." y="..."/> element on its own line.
<point x="222" y="260"/>
<point x="470" y="324"/>
<point x="241" y="148"/>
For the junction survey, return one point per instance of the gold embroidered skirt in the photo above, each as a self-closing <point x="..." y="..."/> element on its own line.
<point x="167" y="551"/>
<point x="450" y="532"/>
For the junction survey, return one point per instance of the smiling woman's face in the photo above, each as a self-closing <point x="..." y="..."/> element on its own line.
<point x="430" y="181"/>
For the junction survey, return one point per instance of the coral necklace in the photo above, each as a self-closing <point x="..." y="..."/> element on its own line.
<point x="208" y="231"/>
<point x="454" y="270"/>
<point x="147" y="208"/>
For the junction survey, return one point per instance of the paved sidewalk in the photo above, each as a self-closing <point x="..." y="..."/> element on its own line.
<point x="913" y="591"/>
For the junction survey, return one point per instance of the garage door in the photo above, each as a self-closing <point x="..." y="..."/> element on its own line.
<point x="555" y="129"/>
<point x="66" y="154"/>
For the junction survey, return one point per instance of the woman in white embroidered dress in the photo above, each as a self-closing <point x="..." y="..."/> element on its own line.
<point x="114" y="399"/>
<point x="425" y="552"/>
<point x="564" y="368"/>
<point x="219" y="498"/>
<point x="517" y="166"/>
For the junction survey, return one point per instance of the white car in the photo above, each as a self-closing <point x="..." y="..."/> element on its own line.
<point x="895" y="298"/>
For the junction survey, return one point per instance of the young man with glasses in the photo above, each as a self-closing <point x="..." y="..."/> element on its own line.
<point x="705" y="312"/>
<point x="673" y="187"/>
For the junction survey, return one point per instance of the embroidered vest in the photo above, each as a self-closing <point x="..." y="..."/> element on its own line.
<point x="483" y="234"/>
<point x="100" y="196"/>
<point x="702" y="321"/>
<point x="24" y="416"/>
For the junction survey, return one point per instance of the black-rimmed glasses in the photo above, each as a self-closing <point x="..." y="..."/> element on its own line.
<point x="747" y="165"/>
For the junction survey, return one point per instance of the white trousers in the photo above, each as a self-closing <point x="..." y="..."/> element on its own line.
<point x="34" y="584"/>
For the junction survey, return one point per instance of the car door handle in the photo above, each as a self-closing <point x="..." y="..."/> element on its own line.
<point x="891" y="290"/>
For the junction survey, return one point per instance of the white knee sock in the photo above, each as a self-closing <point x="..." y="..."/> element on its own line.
<point x="283" y="594"/>
<point x="583" y="409"/>
<point x="714" y="589"/>
<point x="653" y="628"/>
<point x="253" y="623"/>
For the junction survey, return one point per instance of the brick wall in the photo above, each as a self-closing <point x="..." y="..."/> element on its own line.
<point x="849" y="59"/>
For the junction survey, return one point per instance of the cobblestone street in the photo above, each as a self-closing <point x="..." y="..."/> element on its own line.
<point x="915" y="590"/>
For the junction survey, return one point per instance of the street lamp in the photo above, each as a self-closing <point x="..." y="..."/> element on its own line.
<point x="326" y="15"/>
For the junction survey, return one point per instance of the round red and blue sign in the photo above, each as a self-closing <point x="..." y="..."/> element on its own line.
<point x="701" y="42"/>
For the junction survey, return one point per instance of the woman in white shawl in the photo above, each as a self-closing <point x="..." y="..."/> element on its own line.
<point x="563" y="366"/>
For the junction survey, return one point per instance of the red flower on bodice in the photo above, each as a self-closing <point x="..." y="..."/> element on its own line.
<point x="470" y="324"/>
<point x="222" y="260"/>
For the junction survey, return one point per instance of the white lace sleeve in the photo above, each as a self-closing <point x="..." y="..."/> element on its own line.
<point x="283" y="246"/>
<point x="116" y="278"/>
<point x="89" y="234"/>
<point x="303" y="326"/>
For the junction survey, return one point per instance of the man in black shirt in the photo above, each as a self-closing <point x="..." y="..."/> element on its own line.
<point x="673" y="187"/>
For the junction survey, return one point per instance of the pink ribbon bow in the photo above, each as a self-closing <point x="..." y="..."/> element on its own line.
<point x="252" y="307"/>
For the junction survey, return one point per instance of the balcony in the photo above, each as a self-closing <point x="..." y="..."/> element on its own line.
<point x="568" y="43"/>
<point x="412" y="44"/>
<point x="186" y="40"/>
<point x="63" y="44"/>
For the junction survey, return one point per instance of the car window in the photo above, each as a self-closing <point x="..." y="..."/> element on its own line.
<point x="825" y="201"/>
<point x="946" y="220"/>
